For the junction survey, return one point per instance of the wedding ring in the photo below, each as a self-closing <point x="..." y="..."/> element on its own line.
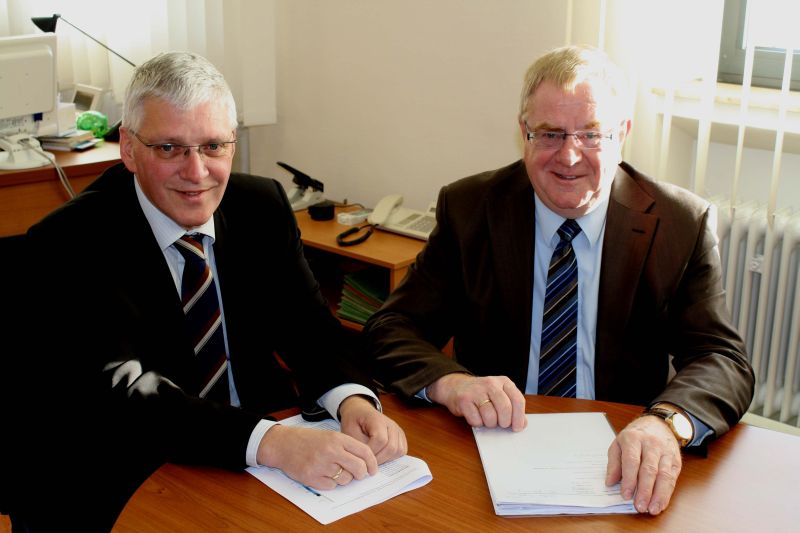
<point x="337" y="474"/>
<point x="484" y="402"/>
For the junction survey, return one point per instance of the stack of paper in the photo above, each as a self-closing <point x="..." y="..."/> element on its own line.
<point x="393" y="478"/>
<point x="70" y="140"/>
<point x="362" y="294"/>
<point x="556" y="465"/>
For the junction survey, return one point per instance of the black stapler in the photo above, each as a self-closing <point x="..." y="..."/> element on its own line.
<point x="307" y="191"/>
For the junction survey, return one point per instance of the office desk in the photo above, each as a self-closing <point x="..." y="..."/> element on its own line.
<point x="28" y="195"/>
<point x="388" y="251"/>
<point x="749" y="482"/>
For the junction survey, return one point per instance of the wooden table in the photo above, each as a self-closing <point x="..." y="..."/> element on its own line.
<point x="28" y="195"/>
<point x="749" y="482"/>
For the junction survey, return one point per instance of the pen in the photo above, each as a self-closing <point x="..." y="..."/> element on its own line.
<point x="312" y="491"/>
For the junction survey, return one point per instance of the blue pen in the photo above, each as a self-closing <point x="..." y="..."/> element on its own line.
<point x="312" y="491"/>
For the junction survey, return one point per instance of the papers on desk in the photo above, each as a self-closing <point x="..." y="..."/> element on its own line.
<point x="393" y="478"/>
<point x="557" y="465"/>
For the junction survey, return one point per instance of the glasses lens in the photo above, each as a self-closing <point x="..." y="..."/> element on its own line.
<point x="589" y="139"/>
<point x="555" y="139"/>
<point x="216" y="149"/>
<point x="548" y="139"/>
<point x="167" y="151"/>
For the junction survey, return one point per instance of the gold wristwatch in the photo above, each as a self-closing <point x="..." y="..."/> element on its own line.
<point x="679" y="423"/>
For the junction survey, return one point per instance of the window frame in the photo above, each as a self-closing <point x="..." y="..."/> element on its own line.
<point x="767" y="62"/>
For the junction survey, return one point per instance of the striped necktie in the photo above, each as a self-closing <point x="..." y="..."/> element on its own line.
<point x="203" y="320"/>
<point x="559" y="347"/>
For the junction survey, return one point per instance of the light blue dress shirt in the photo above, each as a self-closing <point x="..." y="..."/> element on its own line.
<point x="588" y="247"/>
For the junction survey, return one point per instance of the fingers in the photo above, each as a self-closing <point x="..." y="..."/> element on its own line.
<point x="645" y="458"/>
<point x="314" y="457"/>
<point x="389" y="443"/>
<point x="630" y="456"/>
<point x="486" y="413"/>
<point x="517" y="419"/>
<point x="359" y="461"/>
<point x="382" y="434"/>
<point x="490" y="401"/>
<point x="614" y="468"/>
<point x="666" y="480"/>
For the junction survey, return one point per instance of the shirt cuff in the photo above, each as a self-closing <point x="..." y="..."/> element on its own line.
<point x="251" y="455"/>
<point x="701" y="431"/>
<point x="332" y="399"/>
<point x="423" y="395"/>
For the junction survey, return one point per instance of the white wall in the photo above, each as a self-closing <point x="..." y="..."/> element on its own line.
<point x="382" y="96"/>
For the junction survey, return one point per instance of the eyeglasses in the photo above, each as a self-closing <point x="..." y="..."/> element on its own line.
<point x="169" y="151"/>
<point x="554" y="139"/>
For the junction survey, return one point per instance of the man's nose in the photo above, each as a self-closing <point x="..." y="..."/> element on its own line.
<point x="194" y="166"/>
<point x="570" y="152"/>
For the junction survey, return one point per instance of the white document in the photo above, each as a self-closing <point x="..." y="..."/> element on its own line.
<point x="556" y="465"/>
<point x="393" y="478"/>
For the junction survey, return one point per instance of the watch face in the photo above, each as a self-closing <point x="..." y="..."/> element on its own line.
<point x="682" y="425"/>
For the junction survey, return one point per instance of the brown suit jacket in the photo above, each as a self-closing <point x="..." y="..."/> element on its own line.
<point x="660" y="296"/>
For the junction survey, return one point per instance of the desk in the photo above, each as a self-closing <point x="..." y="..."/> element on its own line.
<point x="748" y="483"/>
<point x="28" y="195"/>
<point x="388" y="250"/>
<point x="392" y="252"/>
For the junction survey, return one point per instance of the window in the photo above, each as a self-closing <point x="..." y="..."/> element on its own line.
<point x="766" y="21"/>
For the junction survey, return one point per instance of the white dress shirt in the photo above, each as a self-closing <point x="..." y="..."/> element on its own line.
<point x="166" y="232"/>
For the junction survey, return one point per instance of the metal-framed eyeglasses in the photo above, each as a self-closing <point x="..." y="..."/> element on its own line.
<point x="171" y="151"/>
<point x="554" y="139"/>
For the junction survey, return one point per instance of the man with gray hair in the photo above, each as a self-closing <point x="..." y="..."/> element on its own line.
<point x="569" y="273"/>
<point x="183" y="312"/>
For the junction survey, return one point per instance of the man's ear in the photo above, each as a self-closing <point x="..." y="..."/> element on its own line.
<point x="126" y="141"/>
<point x="523" y="130"/>
<point x="624" y="130"/>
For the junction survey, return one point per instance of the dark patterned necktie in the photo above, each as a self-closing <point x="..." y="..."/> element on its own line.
<point x="559" y="347"/>
<point x="203" y="320"/>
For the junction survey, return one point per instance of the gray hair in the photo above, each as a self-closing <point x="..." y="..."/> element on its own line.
<point x="183" y="79"/>
<point x="568" y="66"/>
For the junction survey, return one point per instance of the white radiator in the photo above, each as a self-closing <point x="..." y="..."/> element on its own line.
<point x="760" y="268"/>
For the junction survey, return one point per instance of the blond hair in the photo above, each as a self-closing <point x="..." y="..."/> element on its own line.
<point x="568" y="66"/>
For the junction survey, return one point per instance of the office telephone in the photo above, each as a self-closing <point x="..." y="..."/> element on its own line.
<point x="389" y="215"/>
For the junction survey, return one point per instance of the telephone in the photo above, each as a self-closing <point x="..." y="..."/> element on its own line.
<point x="389" y="215"/>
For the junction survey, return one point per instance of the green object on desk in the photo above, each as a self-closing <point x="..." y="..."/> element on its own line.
<point x="93" y="121"/>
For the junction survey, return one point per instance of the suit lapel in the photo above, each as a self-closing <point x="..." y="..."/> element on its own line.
<point x="151" y="295"/>
<point x="510" y="220"/>
<point x="628" y="236"/>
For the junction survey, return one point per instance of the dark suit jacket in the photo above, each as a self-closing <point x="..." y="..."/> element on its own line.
<point x="660" y="294"/>
<point x="115" y="356"/>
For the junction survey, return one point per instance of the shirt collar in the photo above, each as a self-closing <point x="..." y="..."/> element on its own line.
<point x="166" y="230"/>
<point x="591" y="223"/>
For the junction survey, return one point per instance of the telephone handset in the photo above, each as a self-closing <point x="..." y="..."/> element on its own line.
<point x="384" y="209"/>
<point x="389" y="215"/>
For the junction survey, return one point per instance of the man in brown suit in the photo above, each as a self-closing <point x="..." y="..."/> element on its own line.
<point x="649" y="296"/>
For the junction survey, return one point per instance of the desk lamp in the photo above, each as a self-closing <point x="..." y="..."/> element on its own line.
<point x="48" y="25"/>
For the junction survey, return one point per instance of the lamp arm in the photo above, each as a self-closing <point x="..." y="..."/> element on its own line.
<point x="98" y="42"/>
